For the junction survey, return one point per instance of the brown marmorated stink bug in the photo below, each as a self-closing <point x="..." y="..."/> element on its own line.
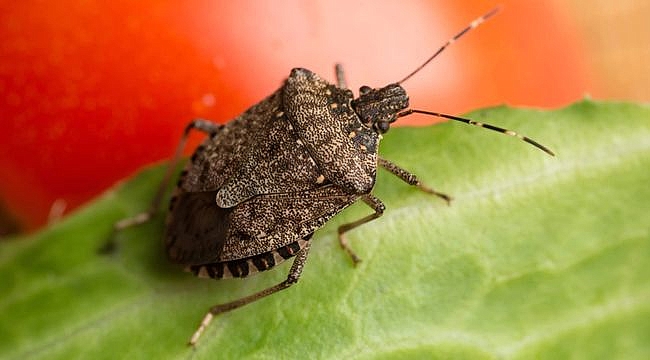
<point x="258" y="187"/>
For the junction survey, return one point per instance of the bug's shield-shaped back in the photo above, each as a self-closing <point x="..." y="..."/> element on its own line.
<point x="305" y="157"/>
<point x="344" y="150"/>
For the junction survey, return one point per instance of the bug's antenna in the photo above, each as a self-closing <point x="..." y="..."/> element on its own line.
<point x="472" y="25"/>
<point x="480" y="124"/>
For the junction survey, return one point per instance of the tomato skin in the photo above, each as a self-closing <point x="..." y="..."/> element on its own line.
<point x="91" y="91"/>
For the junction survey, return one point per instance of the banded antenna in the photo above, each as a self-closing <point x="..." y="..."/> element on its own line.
<point x="471" y="26"/>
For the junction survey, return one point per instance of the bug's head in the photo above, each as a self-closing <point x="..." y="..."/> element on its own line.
<point x="378" y="108"/>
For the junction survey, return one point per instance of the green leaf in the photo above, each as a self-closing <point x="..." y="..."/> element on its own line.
<point x="537" y="257"/>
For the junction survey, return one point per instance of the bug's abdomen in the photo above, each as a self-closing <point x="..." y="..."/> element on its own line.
<point x="248" y="266"/>
<point x="196" y="228"/>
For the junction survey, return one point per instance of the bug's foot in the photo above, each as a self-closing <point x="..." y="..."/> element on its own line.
<point x="429" y="190"/>
<point x="445" y="197"/>
<point x="197" y="334"/>
<point x="109" y="246"/>
<point x="355" y="259"/>
<point x="344" y="245"/>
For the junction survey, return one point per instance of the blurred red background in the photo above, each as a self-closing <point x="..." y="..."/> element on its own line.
<point x="91" y="91"/>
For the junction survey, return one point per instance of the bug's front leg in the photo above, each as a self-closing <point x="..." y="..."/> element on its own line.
<point x="411" y="179"/>
<point x="379" y="208"/>
<point x="202" y="125"/>
<point x="292" y="278"/>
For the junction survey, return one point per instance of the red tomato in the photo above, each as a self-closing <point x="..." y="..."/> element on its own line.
<point x="91" y="91"/>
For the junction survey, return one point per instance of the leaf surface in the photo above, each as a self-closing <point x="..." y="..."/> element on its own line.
<point x="537" y="257"/>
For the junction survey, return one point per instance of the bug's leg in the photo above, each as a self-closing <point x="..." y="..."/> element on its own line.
<point x="202" y="125"/>
<point x="379" y="208"/>
<point x="411" y="179"/>
<point x="292" y="278"/>
<point x="340" y="76"/>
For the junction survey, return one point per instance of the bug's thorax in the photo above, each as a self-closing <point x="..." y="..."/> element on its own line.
<point x="378" y="108"/>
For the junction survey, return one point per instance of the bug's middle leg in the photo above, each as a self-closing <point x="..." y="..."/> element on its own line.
<point x="379" y="208"/>
<point x="410" y="178"/>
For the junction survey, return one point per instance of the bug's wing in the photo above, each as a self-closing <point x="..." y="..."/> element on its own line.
<point x="344" y="150"/>
<point x="218" y="159"/>
<point x="277" y="163"/>
<point x="268" y="222"/>
<point x="196" y="228"/>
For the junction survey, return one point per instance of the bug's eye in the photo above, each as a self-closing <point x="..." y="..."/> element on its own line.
<point x="382" y="126"/>
<point x="364" y="89"/>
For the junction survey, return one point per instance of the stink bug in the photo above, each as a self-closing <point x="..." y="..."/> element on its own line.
<point x="255" y="191"/>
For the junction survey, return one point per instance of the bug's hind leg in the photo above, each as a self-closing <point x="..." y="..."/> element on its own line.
<point x="202" y="125"/>
<point x="411" y="179"/>
<point x="379" y="208"/>
<point x="292" y="278"/>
